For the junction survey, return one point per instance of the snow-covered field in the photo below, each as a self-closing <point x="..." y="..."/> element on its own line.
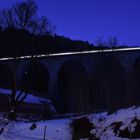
<point x="55" y="130"/>
<point x="106" y="127"/>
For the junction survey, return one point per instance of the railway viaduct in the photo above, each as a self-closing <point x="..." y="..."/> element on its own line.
<point x="79" y="81"/>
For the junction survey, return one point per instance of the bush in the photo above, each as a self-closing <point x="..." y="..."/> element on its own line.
<point x="81" y="128"/>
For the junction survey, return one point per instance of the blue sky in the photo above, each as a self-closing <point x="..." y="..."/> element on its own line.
<point x="91" y="19"/>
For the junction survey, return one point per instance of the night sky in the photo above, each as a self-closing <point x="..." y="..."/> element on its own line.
<point x="92" y="19"/>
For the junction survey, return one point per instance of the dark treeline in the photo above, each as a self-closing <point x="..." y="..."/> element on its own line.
<point x="17" y="42"/>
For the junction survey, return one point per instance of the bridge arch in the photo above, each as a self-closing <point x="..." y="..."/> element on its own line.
<point x="6" y="77"/>
<point x="108" y="85"/>
<point x="136" y="69"/>
<point x="73" y="87"/>
<point x="35" y="78"/>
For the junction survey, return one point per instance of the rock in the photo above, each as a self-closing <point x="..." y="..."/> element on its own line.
<point x="33" y="126"/>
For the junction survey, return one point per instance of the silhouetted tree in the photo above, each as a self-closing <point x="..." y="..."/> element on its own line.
<point x="46" y="27"/>
<point x="43" y="26"/>
<point x="25" y="13"/>
<point x="16" y="98"/>
<point x="15" y="101"/>
<point x="7" y="18"/>
<point x="100" y="42"/>
<point x="113" y="41"/>
<point x="124" y="45"/>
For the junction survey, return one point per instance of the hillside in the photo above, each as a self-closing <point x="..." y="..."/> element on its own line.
<point x="15" y="42"/>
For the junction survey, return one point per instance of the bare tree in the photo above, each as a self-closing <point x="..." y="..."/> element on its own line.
<point x="16" y="98"/>
<point x="42" y="26"/>
<point x="100" y="42"/>
<point x="45" y="26"/>
<point x="124" y="45"/>
<point x="7" y="18"/>
<point x="25" y="13"/>
<point x="113" y="41"/>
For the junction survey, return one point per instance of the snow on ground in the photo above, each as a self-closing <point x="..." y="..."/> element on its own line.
<point x="103" y="123"/>
<point x="60" y="130"/>
<point x="29" y="99"/>
<point x="55" y="130"/>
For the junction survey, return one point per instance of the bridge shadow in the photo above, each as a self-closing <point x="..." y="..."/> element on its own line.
<point x="6" y="77"/>
<point x="136" y="94"/>
<point x="35" y="79"/>
<point x="73" y="87"/>
<point x="108" y="87"/>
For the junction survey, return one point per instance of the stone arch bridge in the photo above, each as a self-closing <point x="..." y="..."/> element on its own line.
<point x="79" y="81"/>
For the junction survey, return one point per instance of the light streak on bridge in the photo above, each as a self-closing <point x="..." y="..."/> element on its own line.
<point x="70" y="53"/>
